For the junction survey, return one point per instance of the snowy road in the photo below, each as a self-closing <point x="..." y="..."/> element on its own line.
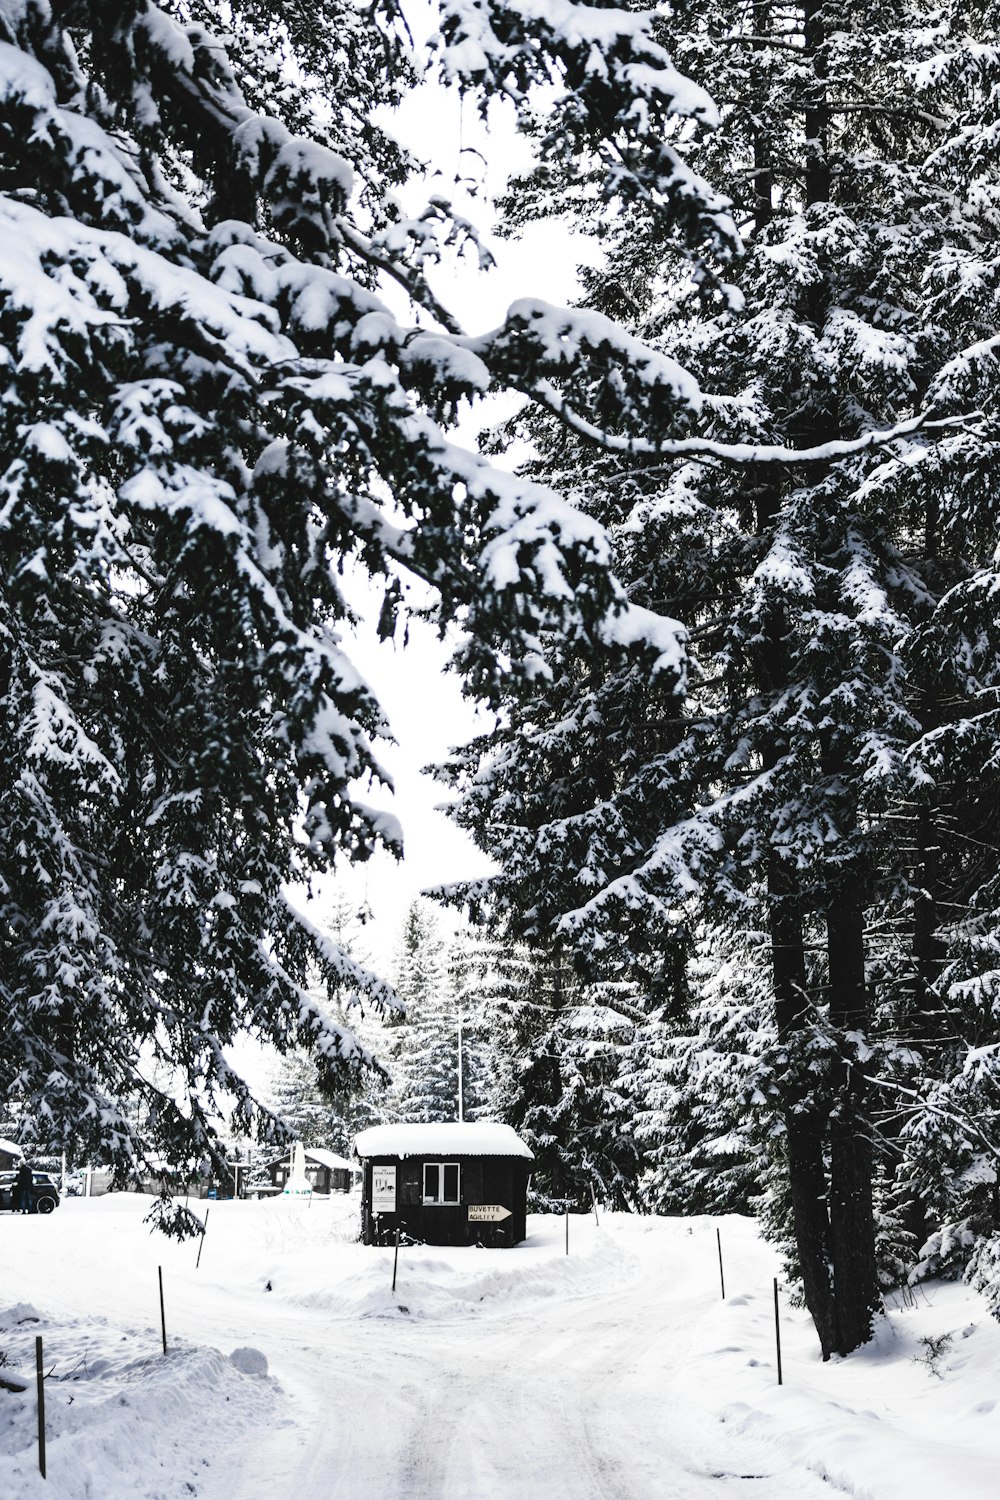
<point x="613" y="1373"/>
<point x="529" y="1410"/>
<point x="575" y="1398"/>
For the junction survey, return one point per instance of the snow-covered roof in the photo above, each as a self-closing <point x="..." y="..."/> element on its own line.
<point x="318" y="1154"/>
<point x="441" y="1140"/>
<point x="11" y="1147"/>
<point x="330" y="1159"/>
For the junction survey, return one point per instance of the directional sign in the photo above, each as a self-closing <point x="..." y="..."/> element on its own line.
<point x="488" y="1213"/>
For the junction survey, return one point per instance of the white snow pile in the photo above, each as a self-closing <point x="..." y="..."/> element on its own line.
<point x="294" y="1372"/>
<point x="250" y="1361"/>
<point x="121" y="1419"/>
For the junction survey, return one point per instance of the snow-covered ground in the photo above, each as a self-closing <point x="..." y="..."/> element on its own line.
<point x="613" y="1373"/>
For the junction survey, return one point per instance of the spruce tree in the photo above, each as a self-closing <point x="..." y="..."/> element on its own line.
<point x="814" y="577"/>
<point x="208" y="412"/>
<point x="423" y="1042"/>
<point x="564" y="1058"/>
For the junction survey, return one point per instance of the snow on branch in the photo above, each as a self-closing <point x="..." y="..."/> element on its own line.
<point x="699" y="449"/>
<point x="341" y="966"/>
<point x="621" y="96"/>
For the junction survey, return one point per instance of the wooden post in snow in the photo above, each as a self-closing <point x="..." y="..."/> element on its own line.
<point x="722" y="1277"/>
<point x="163" y="1315"/>
<point x="40" y="1381"/>
<point x="777" y="1329"/>
<point x="201" y="1242"/>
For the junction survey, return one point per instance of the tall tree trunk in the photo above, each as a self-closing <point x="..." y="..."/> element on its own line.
<point x="852" y="1221"/>
<point x="829" y="1155"/>
<point x="817" y="111"/>
<point x="805" y="1125"/>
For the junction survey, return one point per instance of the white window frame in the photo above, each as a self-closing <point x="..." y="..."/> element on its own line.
<point x="441" y="1202"/>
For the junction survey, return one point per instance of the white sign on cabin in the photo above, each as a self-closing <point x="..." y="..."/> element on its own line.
<point x="488" y="1213"/>
<point x="384" y="1190"/>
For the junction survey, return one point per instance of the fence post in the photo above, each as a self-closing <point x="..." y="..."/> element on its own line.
<point x="395" y="1259"/>
<point x="777" y="1329"/>
<point x="40" y="1380"/>
<point x="163" y="1316"/>
<point x="201" y="1242"/>
<point x="593" y="1199"/>
<point x="722" y="1277"/>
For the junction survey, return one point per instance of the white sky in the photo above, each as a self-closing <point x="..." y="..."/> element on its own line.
<point x="423" y="701"/>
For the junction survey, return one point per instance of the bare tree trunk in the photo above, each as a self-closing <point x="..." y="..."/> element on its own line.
<point x="856" y="1295"/>
<point x="805" y="1126"/>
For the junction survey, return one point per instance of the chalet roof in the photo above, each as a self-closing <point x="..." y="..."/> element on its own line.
<point x="330" y="1159"/>
<point x="321" y="1155"/>
<point x="479" y="1139"/>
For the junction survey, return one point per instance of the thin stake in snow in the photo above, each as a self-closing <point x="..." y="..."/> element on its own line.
<point x="566" y="1205"/>
<point x="163" y="1315"/>
<point x="201" y="1243"/>
<point x="395" y="1259"/>
<point x="777" y="1330"/>
<point x="593" y="1199"/>
<point x="40" y="1380"/>
<point x="722" y="1275"/>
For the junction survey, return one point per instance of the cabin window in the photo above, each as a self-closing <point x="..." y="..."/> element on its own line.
<point x="441" y="1182"/>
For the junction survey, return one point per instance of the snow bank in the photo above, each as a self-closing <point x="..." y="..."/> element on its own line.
<point x="911" y="1416"/>
<point x="436" y="1283"/>
<point x="122" y="1420"/>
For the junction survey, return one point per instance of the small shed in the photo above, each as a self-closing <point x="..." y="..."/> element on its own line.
<point x="444" y="1184"/>
<point x="10" y="1155"/>
<point x="326" y="1172"/>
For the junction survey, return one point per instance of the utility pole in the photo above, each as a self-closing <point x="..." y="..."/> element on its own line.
<point x="461" y="1092"/>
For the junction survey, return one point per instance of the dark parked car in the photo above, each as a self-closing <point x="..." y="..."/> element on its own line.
<point x="45" y="1194"/>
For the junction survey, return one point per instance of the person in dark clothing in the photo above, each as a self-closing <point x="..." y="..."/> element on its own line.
<point x="23" y="1184"/>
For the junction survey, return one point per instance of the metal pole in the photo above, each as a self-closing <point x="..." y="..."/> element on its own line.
<point x="567" y="1229"/>
<point x="461" y="1091"/>
<point x="40" y="1381"/>
<point x="395" y="1259"/>
<point x="777" y="1329"/>
<point x="163" y="1316"/>
<point x="200" y="1246"/>
<point x="593" y="1199"/>
<point x="722" y="1278"/>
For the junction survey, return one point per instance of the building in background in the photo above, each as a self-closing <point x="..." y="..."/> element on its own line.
<point x="326" y="1172"/>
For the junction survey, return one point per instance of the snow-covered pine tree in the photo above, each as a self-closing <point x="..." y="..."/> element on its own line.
<point x="707" y="1110"/>
<point x="563" y="1057"/>
<point x="206" y="412"/>
<point x="768" y="795"/>
<point x="471" y="961"/>
<point x="423" y="1042"/>
<point x="295" y="1099"/>
<point x="322" y="1111"/>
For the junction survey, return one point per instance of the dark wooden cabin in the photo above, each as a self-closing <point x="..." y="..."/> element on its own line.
<point x="10" y="1156"/>
<point x="326" y="1172"/>
<point x="444" y="1184"/>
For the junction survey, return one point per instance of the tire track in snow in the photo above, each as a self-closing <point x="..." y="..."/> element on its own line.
<point x="573" y="1398"/>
